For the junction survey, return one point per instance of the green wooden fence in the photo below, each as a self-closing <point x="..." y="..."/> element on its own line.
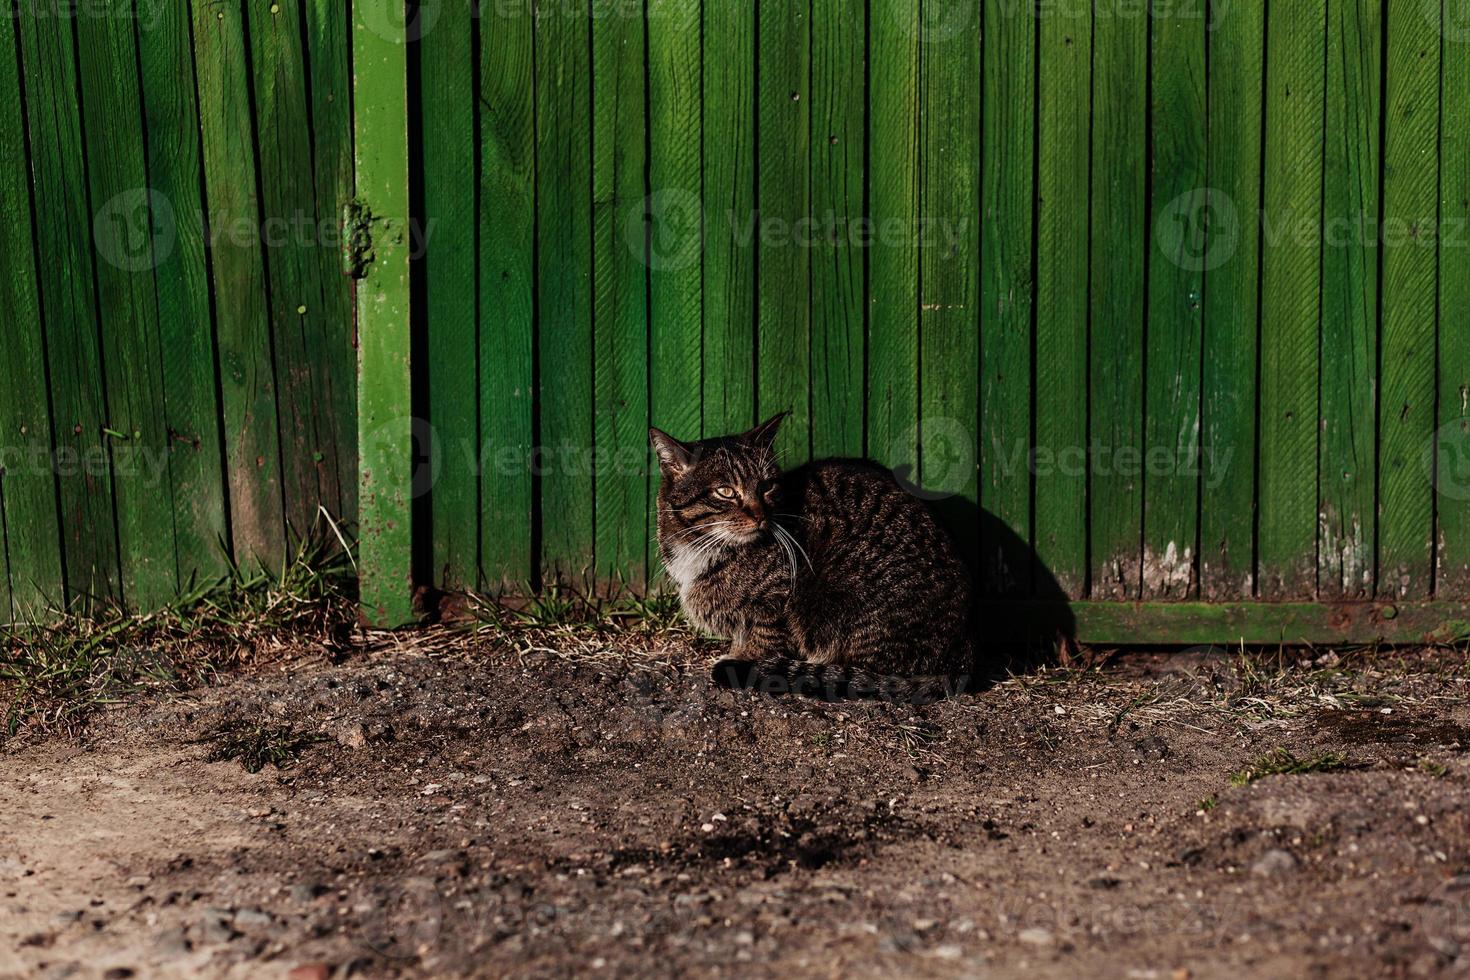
<point x="1174" y="291"/>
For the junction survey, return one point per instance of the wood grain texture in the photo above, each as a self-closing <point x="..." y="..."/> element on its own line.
<point x="564" y="289"/>
<point x="784" y="234"/>
<point x="728" y="209"/>
<point x="1291" y="294"/>
<point x="451" y="291"/>
<point x="675" y="245"/>
<point x="949" y="264"/>
<point x="130" y="230"/>
<point x="1175" y="303"/>
<point x="893" y="261"/>
<point x="1006" y="288"/>
<point x="242" y="324"/>
<point x="1407" y="419"/>
<point x="314" y="389"/>
<point x="1117" y="453"/>
<point x="838" y="165"/>
<point x="68" y="301"/>
<point x="1228" y="220"/>
<point x="620" y="297"/>
<point x="1347" y="530"/>
<point x="181" y="284"/>
<point x="1064" y="142"/>
<point x="32" y="560"/>
<point x="1452" y="449"/>
<point x="507" y="222"/>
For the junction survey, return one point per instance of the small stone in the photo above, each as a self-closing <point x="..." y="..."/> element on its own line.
<point x="948" y="951"/>
<point x="253" y="919"/>
<point x="138" y="881"/>
<point x="173" y="942"/>
<point x="352" y="735"/>
<point x="1274" y="862"/>
<point x="119" y="973"/>
<point x="1037" y="937"/>
<point x="310" y="971"/>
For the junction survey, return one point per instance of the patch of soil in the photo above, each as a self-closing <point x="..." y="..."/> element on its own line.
<point x="478" y="812"/>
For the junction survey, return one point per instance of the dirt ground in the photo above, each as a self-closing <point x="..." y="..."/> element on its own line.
<point x="472" y="809"/>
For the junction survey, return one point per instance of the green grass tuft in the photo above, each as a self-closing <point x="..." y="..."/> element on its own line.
<point x="257" y="746"/>
<point x="1281" y="762"/>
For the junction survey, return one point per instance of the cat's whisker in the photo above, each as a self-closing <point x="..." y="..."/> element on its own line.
<point x="796" y="544"/>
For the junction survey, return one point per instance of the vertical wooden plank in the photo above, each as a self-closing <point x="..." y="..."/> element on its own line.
<point x="68" y="300"/>
<point x="620" y="293"/>
<point x="676" y="231"/>
<point x="242" y="327"/>
<point x="783" y="263"/>
<point x="181" y="284"/>
<point x="949" y="258"/>
<point x="1452" y="459"/>
<point x="1064" y="94"/>
<point x="33" y="580"/>
<point x="1349" y="441"/>
<point x="380" y="98"/>
<point x="132" y="227"/>
<point x="893" y="261"/>
<point x="314" y="389"/>
<point x="329" y="93"/>
<point x="447" y="68"/>
<point x="507" y="222"/>
<point x="839" y="166"/>
<point x="563" y="264"/>
<point x="1175" y="303"/>
<point x="1291" y="293"/>
<point x="1008" y="151"/>
<point x="1409" y="254"/>
<point x="1116" y="302"/>
<point x="729" y="216"/>
<point x="1225" y="227"/>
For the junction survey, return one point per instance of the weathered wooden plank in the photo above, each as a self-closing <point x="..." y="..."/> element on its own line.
<point x="329" y="90"/>
<point x="1117" y="453"/>
<point x="133" y="226"/>
<point x="893" y="261"/>
<point x="1235" y="624"/>
<point x="313" y="382"/>
<point x="839" y="168"/>
<point x="507" y="221"/>
<point x="33" y="578"/>
<point x="564" y="289"/>
<point x="380" y="100"/>
<point x="1175" y="304"/>
<point x="68" y="302"/>
<point x="181" y="284"/>
<point x="783" y="265"/>
<point x="620" y="296"/>
<point x="451" y="291"/>
<point x="1291" y="293"/>
<point x="242" y="325"/>
<point x="1060" y="452"/>
<point x="949" y="262"/>
<point x="729" y="215"/>
<point x="676" y="230"/>
<point x="1452" y="457"/>
<point x="1347" y="528"/>
<point x="1225" y="227"/>
<point x="1410" y="222"/>
<point x="1007" y="150"/>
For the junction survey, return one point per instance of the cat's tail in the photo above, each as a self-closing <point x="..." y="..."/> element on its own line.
<point x="830" y="682"/>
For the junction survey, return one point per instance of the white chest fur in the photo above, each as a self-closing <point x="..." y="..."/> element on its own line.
<point x="686" y="565"/>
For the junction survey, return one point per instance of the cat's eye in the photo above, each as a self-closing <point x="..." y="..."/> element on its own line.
<point x="725" y="493"/>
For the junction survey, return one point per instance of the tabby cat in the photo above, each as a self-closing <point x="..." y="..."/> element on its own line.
<point x="830" y="579"/>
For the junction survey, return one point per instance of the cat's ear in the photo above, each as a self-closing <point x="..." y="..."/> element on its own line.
<point x="764" y="434"/>
<point x="674" y="457"/>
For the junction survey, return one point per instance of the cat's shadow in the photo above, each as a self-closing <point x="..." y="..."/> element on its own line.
<point x="1012" y="581"/>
